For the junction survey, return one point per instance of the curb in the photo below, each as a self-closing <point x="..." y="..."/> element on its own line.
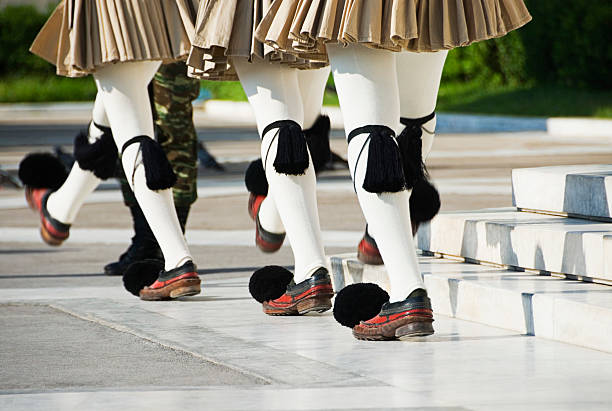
<point x="238" y="114"/>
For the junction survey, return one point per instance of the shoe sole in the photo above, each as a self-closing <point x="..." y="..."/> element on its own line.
<point x="318" y="304"/>
<point x="48" y="238"/>
<point x="403" y="330"/>
<point x="181" y="288"/>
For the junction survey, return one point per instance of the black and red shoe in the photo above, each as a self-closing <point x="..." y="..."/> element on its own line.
<point x="267" y="241"/>
<point x="412" y="317"/>
<point x="179" y="282"/>
<point x="367" y="250"/>
<point x="311" y="295"/>
<point x="52" y="231"/>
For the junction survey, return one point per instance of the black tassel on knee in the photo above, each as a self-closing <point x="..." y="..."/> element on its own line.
<point x="317" y="138"/>
<point x="384" y="173"/>
<point x="292" y="151"/>
<point x="99" y="157"/>
<point x="158" y="171"/>
<point x="411" y="147"/>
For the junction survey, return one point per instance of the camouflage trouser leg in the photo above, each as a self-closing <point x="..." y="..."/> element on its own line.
<point x="173" y="94"/>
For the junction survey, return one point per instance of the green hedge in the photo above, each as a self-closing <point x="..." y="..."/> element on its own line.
<point x="567" y="43"/>
<point x="18" y="28"/>
<point x="570" y="42"/>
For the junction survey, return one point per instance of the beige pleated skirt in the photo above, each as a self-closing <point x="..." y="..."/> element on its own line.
<point x="83" y="35"/>
<point x="225" y="29"/>
<point x="303" y="27"/>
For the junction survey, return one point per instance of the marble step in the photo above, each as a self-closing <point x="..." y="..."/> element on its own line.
<point x="581" y="190"/>
<point x="573" y="247"/>
<point x="573" y="312"/>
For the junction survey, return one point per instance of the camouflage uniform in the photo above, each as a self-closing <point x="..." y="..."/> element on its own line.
<point x="173" y="93"/>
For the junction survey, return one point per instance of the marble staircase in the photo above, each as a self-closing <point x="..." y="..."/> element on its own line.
<point x="542" y="267"/>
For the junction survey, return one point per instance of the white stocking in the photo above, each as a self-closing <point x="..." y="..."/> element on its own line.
<point x="312" y="88"/>
<point x="367" y="88"/>
<point x="274" y="95"/>
<point x="123" y="88"/>
<point x="65" y="203"/>
<point x="419" y="75"/>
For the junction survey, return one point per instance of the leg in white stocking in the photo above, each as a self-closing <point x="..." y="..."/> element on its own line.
<point x="274" y="95"/>
<point x="65" y="203"/>
<point x="419" y="77"/>
<point x="124" y="91"/>
<point x="312" y="88"/>
<point x="368" y="93"/>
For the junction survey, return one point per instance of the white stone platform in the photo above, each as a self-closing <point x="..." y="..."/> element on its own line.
<point x="574" y="312"/>
<point x="582" y="190"/>
<point x="574" y="247"/>
<point x="312" y="363"/>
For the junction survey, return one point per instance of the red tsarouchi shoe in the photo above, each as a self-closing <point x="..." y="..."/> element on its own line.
<point x="311" y="295"/>
<point x="52" y="231"/>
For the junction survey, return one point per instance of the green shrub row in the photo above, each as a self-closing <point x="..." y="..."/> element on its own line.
<point x="568" y="43"/>
<point x="18" y="28"/>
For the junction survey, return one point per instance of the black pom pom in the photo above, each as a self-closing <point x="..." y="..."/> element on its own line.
<point x="359" y="302"/>
<point x="424" y="202"/>
<point x="384" y="172"/>
<point x="255" y="178"/>
<point x="158" y="170"/>
<point x="317" y="138"/>
<point x="269" y="283"/>
<point x="99" y="157"/>
<point x="291" y="151"/>
<point x="141" y="274"/>
<point x="42" y="170"/>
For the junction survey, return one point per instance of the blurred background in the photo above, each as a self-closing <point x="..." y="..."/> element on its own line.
<point x="557" y="65"/>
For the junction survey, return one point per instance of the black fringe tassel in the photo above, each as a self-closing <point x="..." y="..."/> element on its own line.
<point x="384" y="173"/>
<point x="292" y="151"/>
<point x="158" y="171"/>
<point x="99" y="157"/>
<point x="317" y="138"/>
<point x="411" y="147"/>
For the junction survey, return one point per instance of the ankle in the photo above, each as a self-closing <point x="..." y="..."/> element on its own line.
<point x="177" y="263"/>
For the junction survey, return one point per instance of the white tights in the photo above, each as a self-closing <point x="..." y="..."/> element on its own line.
<point x="123" y="104"/>
<point x="367" y="86"/>
<point x="418" y="76"/>
<point x="274" y="94"/>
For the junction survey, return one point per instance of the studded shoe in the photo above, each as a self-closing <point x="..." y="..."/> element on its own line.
<point x="311" y="295"/>
<point x="179" y="282"/>
<point x="412" y="317"/>
<point x="52" y="231"/>
<point x="267" y="241"/>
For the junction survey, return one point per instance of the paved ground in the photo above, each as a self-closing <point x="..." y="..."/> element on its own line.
<point x="74" y="339"/>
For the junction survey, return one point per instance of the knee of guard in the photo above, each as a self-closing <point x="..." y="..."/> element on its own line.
<point x="99" y="157"/>
<point x="384" y="172"/>
<point x="158" y="171"/>
<point x="292" y="150"/>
